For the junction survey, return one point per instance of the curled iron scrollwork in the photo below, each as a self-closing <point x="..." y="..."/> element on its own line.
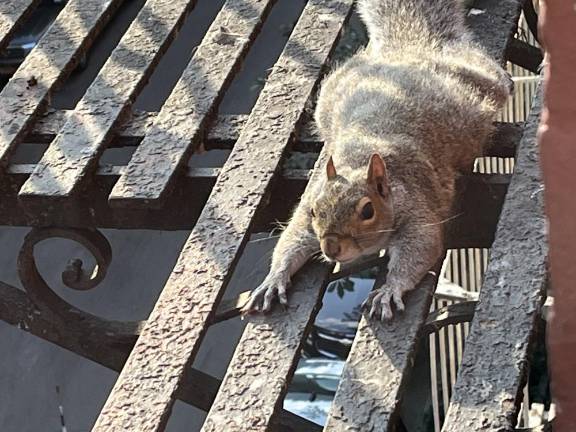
<point x="76" y="277"/>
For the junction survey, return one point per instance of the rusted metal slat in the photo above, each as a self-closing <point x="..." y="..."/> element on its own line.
<point x="178" y="128"/>
<point x="367" y="397"/>
<point x="494" y="365"/>
<point x="47" y="65"/>
<point x="12" y="13"/>
<point x="88" y="129"/>
<point x="198" y="389"/>
<point x="225" y="130"/>
<point x="144" y="393"/>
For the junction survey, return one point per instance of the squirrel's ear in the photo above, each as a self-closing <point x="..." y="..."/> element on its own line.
<point x="330" y="169"/>
<point x="377" y="171"/>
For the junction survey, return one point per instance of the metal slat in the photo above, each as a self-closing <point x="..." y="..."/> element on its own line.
<point x="25" y="95"/>
<point x="225" y="129"/>
<point x="144" y="393"/>
<point x="367" y="397"/>
<point x="493" y="368"/>
<point x="479" y="203"/>
<point x="87" y="130"/>
<point x="178" y="128"/>
<point x="12" y="13"/>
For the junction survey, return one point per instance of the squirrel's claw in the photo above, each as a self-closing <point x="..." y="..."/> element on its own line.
<point x="262" y="298"/>
<point x="379" y="301"/>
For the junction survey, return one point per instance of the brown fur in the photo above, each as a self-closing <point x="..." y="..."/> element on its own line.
<point x="421" y="98"/>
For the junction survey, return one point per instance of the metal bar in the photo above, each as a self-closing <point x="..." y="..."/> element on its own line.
<point x="230" y="308"/>
<point x="12" y="14"/>
<point x="224" y="132"/>
<point x="178" y="129"/>
<point x="368" y="395"/>
<point x="56" y="54"/>
<point x="493" y="368"/>
<point x="143" y="396"/>
<point x="531" y="18"/>
<point x="456" y="313"/>
<point x="76" y="148"/>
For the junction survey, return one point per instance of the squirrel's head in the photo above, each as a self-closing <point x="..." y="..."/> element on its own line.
<point x="353" y="213"/>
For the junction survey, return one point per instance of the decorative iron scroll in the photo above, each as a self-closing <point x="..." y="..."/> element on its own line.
<point x="74" y="276"/>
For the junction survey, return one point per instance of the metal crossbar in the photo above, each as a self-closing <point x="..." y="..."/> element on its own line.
<point x="68" y="188"/>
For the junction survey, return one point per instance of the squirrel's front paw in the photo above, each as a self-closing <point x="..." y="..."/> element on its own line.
<point x="379" y="301"/>
<point x="262" y="298"/>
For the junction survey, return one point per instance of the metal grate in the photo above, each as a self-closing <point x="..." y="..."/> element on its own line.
<point x="69" y="194"/>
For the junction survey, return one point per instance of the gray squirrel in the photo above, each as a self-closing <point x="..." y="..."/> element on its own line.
<point x="401" y="120"/>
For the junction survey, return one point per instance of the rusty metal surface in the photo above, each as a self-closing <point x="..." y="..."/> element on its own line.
<point x="54" y="57"/>
<point x="494" y="364"/>
<point x="225" y="129"/>
<point x="76" y="148"/>
<point x="227" y="205"/>
<point x="90" y="342"/>
<point x="494" y="23"/>
<point x="369" y="393"/>
<point x="558" y="151"/>
<point x="96" y="344"/>
<point x="178" y="128"/>
<point x="12" y="14"/>
<point x="259" y="373"/>
<point x="144" y="393"/>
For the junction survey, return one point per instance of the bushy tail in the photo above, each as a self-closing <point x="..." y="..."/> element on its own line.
<point x="402" y="23"/>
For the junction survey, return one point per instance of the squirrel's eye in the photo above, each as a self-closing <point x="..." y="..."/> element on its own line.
<point x="367" y="212"/>
<point x="312" y="213"/>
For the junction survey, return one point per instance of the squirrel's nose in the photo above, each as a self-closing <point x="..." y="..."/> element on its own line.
<point x="331" y="246"/>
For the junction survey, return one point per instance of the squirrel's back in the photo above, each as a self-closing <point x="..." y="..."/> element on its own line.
<point x="422" y="85"/>
<point x="412" y="23"/>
